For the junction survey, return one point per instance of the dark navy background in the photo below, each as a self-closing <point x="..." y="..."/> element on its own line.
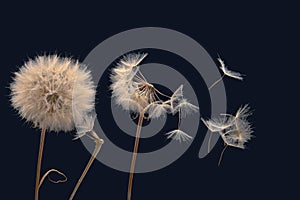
<point x="254" y="38"/>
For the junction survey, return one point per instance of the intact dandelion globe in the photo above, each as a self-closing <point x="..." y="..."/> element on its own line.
<point x="43" y="93"/>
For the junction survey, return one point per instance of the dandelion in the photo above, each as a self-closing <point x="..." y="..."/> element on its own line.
<point x="235" y="130"/>
<point x="226" y="72"/>
<point x="43" y="94"/>
<point x="132" y="91"/>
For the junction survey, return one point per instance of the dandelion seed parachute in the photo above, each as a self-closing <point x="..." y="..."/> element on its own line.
<point x="217" y="124"/>
<point x="179" y="135"/>
<point x="228" y="72"/>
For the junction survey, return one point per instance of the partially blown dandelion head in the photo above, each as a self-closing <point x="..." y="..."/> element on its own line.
<point x="43" y="92"/>
<point x="132" y="91"/>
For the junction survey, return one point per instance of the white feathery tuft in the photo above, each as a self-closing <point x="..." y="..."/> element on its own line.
<point x="186" y="108"/>
<point x="179" y="135"/>
<point x="217" y="124"/>
<point x="83" y="104"/>
<point x="176" y="97"/>
<point x="157" y="110"/>
<point x="228" y="72"/>
<point x="133" y="60"/>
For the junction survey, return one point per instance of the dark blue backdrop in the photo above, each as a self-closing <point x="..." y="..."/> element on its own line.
<point x="255" y="38"/>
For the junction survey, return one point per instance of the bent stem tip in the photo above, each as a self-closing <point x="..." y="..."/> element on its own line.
<point x="98" y="144"/>
<point x="221" y="156"/>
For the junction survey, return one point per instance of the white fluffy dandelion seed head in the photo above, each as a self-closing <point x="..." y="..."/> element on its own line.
<point x="42" y="92"/>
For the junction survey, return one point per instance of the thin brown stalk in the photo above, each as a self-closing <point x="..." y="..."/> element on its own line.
<point x="98" y="143"/>
<point x="221" y="156"/>
<point x="48" y="174"/>
<point x="209" y="141"/>
<point x="39" y="164"/>
<point x="216" y="82"/>
<point x="135" y="149"/>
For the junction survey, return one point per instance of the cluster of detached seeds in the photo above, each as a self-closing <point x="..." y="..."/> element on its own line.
<point x="58" y="94"/>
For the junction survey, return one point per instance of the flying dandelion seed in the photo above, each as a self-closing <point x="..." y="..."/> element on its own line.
<point x="132" y="91"/>
<point x="235" y="130"/>
<point x="226" y="72"/>
<point x="179" y="135"/>
<point x="43" y="94"/>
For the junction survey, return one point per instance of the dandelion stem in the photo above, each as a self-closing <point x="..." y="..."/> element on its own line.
<point x="135" y="149"/>
<point x="221" y="156"/>
<point x="159" y="92"/>
<point x="217" y="81"/>
<point x="98" y="144"/>
<point x="39" y="164"/>
<point x="179" y="119"/>
<point x="48" y="174"/>
<point x="209" y="140"/>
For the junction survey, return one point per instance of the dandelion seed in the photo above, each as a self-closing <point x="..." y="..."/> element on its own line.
<point x="239" y="133"/>
<point x="243" y="112"/>
<point x="43" y="94"/>
<point x="186" y="108"/>
<point x="226" y="72"/>
<point x="157" y="110"/>
<point x="176" y="98"/>
<point x="133" y="60"/>
<point x="217" y="124"/>
<point x="179" y="135"/>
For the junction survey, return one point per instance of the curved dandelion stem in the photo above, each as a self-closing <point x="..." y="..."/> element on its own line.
<point x="98" y="144"/>
<point x="143" y="77"/>
<point x="209" y="140"/>
<point x="135" y="149"/>
<point x="135" y="116"/>
<point x="179" y="119"/>
<point x="221" y="156"/>
<point x="39" y="164"/>
<point x="47" y="174"/>
<point x="217" y="81"/>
